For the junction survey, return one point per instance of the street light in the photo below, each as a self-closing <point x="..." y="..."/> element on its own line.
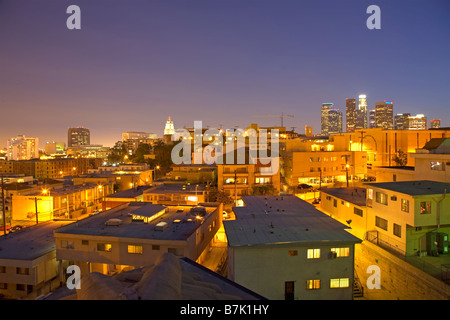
<point x="346" y="172"/>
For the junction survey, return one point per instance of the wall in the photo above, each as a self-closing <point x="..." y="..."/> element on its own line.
<point x="399" y="280"/>
<point x="266" y="269"/>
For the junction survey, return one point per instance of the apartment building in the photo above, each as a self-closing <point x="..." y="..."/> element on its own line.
<point x="176" y="194"/>
<point x="135" y="234"/>
<point x="283" y="248"/>
<point x="405" y="215"/>
<point x="28" y="265"/>
<point x="66" y="202"/>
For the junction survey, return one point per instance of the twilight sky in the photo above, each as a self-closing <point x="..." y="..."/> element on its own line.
<point x="224" y="62"/>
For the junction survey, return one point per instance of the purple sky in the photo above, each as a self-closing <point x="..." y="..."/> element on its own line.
<point x="224" y="62"/>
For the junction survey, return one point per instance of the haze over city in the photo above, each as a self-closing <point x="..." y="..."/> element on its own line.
<point x="229" y="63"/>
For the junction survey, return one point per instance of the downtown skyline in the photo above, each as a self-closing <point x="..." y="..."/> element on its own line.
<point x="135" y="63"/>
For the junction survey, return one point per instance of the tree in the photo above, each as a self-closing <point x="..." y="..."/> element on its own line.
<point x="142" y="150"/>
<point x="401" y="159"/>
<point x="117" y="154"/>
<point x="265" y="190"/>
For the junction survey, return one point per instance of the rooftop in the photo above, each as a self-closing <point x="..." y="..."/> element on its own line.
<point x="176" y="188"/>
<point x="29" y="243"/>
<point x="414" y="188"/>
<point x="356" y="196"/>
<point x="130" y="193"/>
<point x="180" y="222"/>
<point x="67" y="189"/>
<point x="283" y="220"/>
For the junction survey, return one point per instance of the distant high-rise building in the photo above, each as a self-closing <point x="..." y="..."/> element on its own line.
<point x="169" y="128"/>
<point x="361" y="113"/>
<point x="326" y="107"/>
<point x="23" y="148"/>
<point x="401" y="121"/>
<point x="435" y="123"/>
<point x="372" y="119"/>
<point x="78" y="136"/>
<point x="54" y="148"/>
<point x="350" y="114"/>
<point x="417" y="122"/>
<point x="334" y="121"/>
<point x="137" y="135"/>
<point x="308" y="131"/>
<point x="384" y="115"/>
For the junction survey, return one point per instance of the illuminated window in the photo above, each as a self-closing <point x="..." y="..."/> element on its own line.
<point x="381" y="198"/>
<point x="339" y="283"/>
<point x="437" y="165"/>
<point x="313" y="253"/>
<point x="104" y="247"/>
<point x="341" y="252"/>
<point x="312" y="284"/>
<point x="135" y="249"/>
<point x="405" y="205"/>
<point x="425" y="207"/>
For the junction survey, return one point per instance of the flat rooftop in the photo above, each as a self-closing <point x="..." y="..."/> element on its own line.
<point x="129" y="193"/>
<point x="283" y="220"/>
<point x="176" y="188"/>
<point x="31" y="242"/>
<point x="414" y="188"/>
<point x="356" y="196"/>
<point x="180" y="222"/>
<point x="67" y="189"/>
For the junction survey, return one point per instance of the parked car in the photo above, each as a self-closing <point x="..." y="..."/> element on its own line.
<point x="305" y="186"/>
<point x="15" y="228"/>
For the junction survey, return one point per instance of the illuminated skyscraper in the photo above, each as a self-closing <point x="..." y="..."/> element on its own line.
<point x="334" y="121"/>
<point x="401" y="121"/>
<point x="78" y="136"/>
<point x="361" y="113"/>
<point x="435" y="123"/>
<point x="417" y="122"/>
<point x="384" y="114"/>
<point x="324" y="117"/>
<point x="23" y="148"/>
<point x="350" y="114"/>
<point x="372" y="118"/>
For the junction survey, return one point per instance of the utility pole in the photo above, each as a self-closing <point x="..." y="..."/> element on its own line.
<point x="36" y="208"/>
<point x="4" y="209"/>
<point x="235" y="187"/>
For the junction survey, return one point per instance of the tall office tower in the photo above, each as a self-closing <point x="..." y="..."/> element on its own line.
<point x="308" y="131"/>
<point x="334" y="121"/>
<point x="384" y="114"/>
<point x="435" y="123"/>
<point x="78" y="136"/>
<point x="350" y="114"/>
<point x="361" y="113"/>
<point x="401" y="121"/>
<point x="169" y="128"/>
<point x="326" y="107"/>
<point x="22" y="148"/>
<point x="417" y="122"/>
<point x="372" y="118"/>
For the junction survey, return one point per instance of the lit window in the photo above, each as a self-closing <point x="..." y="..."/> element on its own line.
<point x="339" y="283"/>
<point x="313" y="253"/>
<point x="104" y="247"/>
<point x="425" y="207"/>
<point x="437" y="165"/>
<point x="341" y="252"/>
<point x="312" y="284"/>
<point x="135" y="249"/>
<point x="405" y="205"/>
<point x="381" y="198"/>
